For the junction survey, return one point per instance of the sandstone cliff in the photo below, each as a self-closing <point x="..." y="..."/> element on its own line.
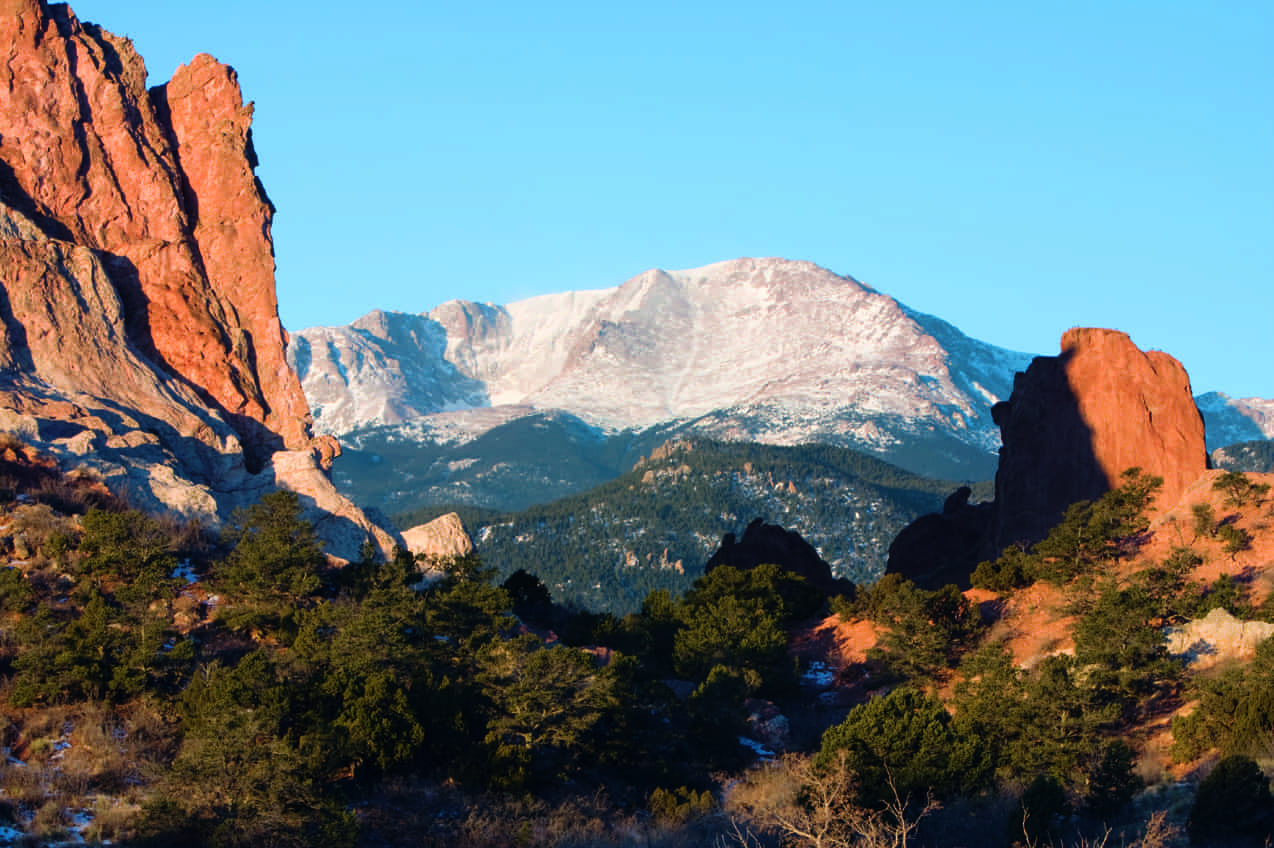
<point x="1076" y="421"/>
<point x="140" y="328"/>
<point x="1073" y="424"/>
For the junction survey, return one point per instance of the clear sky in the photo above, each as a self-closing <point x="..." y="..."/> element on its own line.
<point x="1015" y="168"/>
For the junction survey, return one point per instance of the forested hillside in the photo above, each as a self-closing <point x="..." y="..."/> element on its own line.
<point x="162" y="686"/>
<point x="1246" y="456"/>
<point x="513" y="466"/>
<point x="656" y="526"/>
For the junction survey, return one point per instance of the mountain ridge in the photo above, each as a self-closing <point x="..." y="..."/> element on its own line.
<point x="825" y="358"/>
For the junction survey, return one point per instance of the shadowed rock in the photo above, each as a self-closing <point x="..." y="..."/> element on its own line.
<point x="1078" y="420"/>
<point x="945" y="547"/>
<point x="764" y="544"/>
<point x="1074" y="423"/>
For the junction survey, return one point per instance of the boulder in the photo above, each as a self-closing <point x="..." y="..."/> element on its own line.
<point x="1217" y="637"/>
<point x="444" y="538"/>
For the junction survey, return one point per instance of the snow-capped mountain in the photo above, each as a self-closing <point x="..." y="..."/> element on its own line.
<point x="767" y="350"/>
<point x="1230" y="420"/>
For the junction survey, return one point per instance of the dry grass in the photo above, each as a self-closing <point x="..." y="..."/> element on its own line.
<point x="82" y="758"/>
<point x="429" y="815"/>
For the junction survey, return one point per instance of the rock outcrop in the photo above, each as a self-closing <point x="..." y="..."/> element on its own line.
<point x="160" y="186"/>
<point x="943" y="547"/>
<point x="140" y="333"/>
<point x="443" y="538"/>
<point x="764" y="544"/>
<point x="1075" y="422"/>
<point x="1216" y="638"/>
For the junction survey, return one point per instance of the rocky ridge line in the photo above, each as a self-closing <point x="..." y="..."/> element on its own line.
<point x="140" y="331"/>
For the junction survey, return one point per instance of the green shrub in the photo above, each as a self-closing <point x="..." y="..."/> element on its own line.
<point x="1238" y="489"/>
<point x="1112" y="783"/>
<point x="679" y="805"/>
<point x="907" y="739"/>
<point x="1233" y="802"/>
<point x="927" y="630"/>
<point x="1013" y="570"/>
<point x="1043" y="806"/>
<point x="1204" y="520"/>
<point x="1235" y="714"/>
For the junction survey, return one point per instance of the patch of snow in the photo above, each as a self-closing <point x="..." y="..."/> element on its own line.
<point x="819" y="675"/>
<point x="185" y="571"/>
<point x="760" y="750"/>
<point x="988" y="395"/>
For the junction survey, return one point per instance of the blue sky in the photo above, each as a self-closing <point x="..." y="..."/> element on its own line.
<point x="1014" y="168"/>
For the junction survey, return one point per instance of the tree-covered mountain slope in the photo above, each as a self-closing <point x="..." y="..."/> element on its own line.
<point x="656" y="526"/>
<point x="1246" y="456"/>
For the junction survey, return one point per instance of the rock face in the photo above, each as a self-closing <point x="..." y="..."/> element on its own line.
<point x="943" y="547"/>
<point x="1217" y="638"/>
<point x="1073" y="424"/>
<point x="764" y="543"/>
<point x="1076" y="421"/>
<point x="159" y="187"/>
<point x="442" y="538"/>
<point x="140" y="328"/>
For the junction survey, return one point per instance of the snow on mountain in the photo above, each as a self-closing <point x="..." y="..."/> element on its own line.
<point x="1230" y="420"/>
<point x="766" y="349"/>
<point x="385" y="368"/>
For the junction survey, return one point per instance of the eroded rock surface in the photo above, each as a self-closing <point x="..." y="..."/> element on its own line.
<point x="139" y="328"/>
<point x="1075" y="422"/>
<point x="443" y="538"/>
<point x="1216" y="638"/>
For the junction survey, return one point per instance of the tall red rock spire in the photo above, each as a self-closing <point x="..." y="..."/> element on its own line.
<point x="1077" y="421"/>
<point x="160" y="186"/>
<point x="1074" y="423"/>
<point x="139" y="330"/>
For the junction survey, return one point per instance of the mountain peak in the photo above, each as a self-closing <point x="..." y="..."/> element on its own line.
<point x="766" y="349"/>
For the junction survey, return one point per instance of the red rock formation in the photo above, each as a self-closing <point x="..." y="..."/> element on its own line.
<point x="1076" y="421"/>
<point x="139" y="331"/>
<point x="159" y="186"/>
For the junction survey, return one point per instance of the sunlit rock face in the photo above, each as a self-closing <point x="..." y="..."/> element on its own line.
<point x="1076" y="421"/>
<point x="140" y="325"/>
<point x="1073" y="424"/>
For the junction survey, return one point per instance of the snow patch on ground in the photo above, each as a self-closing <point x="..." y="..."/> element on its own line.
<point x="760" y="750"/>
<point x="185" y="571"/>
